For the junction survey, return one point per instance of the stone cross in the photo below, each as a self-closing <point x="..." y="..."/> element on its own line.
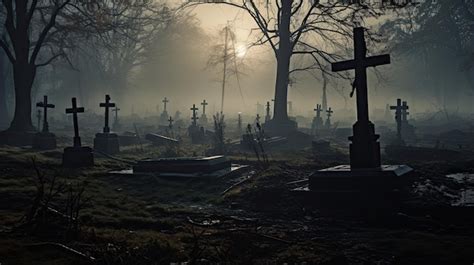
<point x="329" y="114"/>
<point x="45" y="105"/>
<point x="204" y="104"/>
<point x="239" y="123"/>
<point x="365" y="148"/>
<point x="74" y="110"/>
<point x="107" y="104"/>
<point x="116" y="110"/>
<point x="195" y="117"/>
<point x="318" y="110"/>
<point x="405" y="111"/>
<point x="165" y="101"/>
<point x="38" y="117"/>
<point x="267" y="116"/>
<point x="257" y="119"/>
<point x="398" y="117"/>
<point x="170" y="120"/>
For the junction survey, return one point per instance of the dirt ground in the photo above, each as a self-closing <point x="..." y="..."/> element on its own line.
<point x="248" y="219"/>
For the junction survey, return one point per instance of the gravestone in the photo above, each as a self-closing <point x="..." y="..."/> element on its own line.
<point x="317" y="123"/>
<point x="239" y="123"/>
<point x="365" y="177"/>
<point x="257" y="119"/>
<point x="116" y="126"/>
<point x="164" y="115"/>
<point x="77" y="155"/>
<point x="44" y="140"/>
<point x="195" y="132"/>
<point x="408" y="130"/>
<point x="398" y="118"/>
<point x="170" y="123"/>
<point x="107" y="142"/>
<point x="329" y="113"/>
<point x="267" y="115"/>
<point x="203" y="118"/>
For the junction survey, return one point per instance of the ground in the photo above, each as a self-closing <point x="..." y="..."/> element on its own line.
<point x="148" y="220"/>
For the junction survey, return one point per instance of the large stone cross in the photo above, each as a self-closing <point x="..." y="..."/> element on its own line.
<point x="195" y="117"/>
<point x="318" y="110"/>
<point x="165" y="101"/>
<point x="365" y="148"/>
<point x="398" y="117"/>
<point x="45" y="105"/>
<point x="204" y="104"/>
<point x="107" y="104"/>
<point x="74" y="110"/>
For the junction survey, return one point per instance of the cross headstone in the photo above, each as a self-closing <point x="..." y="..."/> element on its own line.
<point x="170" y="125"/>
<point x="165" y="101"/>
<point x="45" y="105"/>
<point x="267" y="116"/>
<point x="74" y="110"/>
<point x="107" y="104"/>
<point x="318" y="110"/>
<point x="398" y="117"/>
<point x="405" y="111"/>
<point x="365" y="148"/>
<point x="257" y="118"/>
<point x="195" y="117"/>
<point x="204" y="104"/>
<point x="116" y="110"/>
<point x="329" y="113"/>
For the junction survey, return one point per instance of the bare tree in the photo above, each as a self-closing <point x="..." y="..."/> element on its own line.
<point x="301" y="29"/>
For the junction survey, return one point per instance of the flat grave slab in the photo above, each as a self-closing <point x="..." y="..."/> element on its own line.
<point x="186" y="167"/>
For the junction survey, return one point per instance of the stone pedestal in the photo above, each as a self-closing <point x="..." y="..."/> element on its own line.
<point x="280" y="127"/>
<point x="14" y="138"/>
<point x="44" y="141"/>
<point x="74" y="157"/>
<point x="107" y="143"/>
<point x="365" y="148"/>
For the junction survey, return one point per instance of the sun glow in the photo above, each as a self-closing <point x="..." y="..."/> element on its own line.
<point x="240" y="50"/>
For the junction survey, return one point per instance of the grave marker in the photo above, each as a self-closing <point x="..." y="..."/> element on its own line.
<point x="329" y="113"/>
<point x="398" y="119"/>
<point x="107" y="142"/>
<point x="44" y="140"/>
<point x="268" y="116"/>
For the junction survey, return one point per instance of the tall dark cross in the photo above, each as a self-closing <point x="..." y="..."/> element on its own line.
<point x="38" y="117"/>
<point x="398" y="117"/>
<point x="329" y="113"/>
<point x="405" y="111"/>
<point x="116" y="110"/>
<point x="318" y="110"/>
<point x="365" y="148"/>
<point x="74" y="110"/>
<point x="107" y="104"/>
<point x="45" y="107"/>
<point x="267" y="116"/>
<point x="170" y="125"/>
<point x="195" y="117"/>
<point x="204" y="104"/>
<point x="165" y="101"/>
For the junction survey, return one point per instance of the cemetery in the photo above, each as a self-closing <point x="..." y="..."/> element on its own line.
<point x="300" y="132"/>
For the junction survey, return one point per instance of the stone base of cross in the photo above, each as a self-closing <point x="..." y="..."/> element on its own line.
<point x="364" y="151"/>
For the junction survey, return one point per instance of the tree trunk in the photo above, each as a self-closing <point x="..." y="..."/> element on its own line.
<point x="283" y="64"/>
<point x="23" y="76"/>
<point x="4" y="118"/>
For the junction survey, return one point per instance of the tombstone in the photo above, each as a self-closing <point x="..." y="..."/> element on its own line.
<point x="44" y="140"/>
<point x="329" y="113"/>
<point x="170" y="123"/>
<point x="203" y="118"/>
<point x="365" y="177"/>
<point x="398" y="118"/>
<point x="267" y="115"/>
<point x="116" y="126"/>
<point x="408" y="130"/>
<point x="77" y="155"/>
<point x="164" y="115"/>
<point x="257" y="119"/>
<point x="196" y="133"/>
<point x="107" y="142"/>
<point x="317" y="123"/>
